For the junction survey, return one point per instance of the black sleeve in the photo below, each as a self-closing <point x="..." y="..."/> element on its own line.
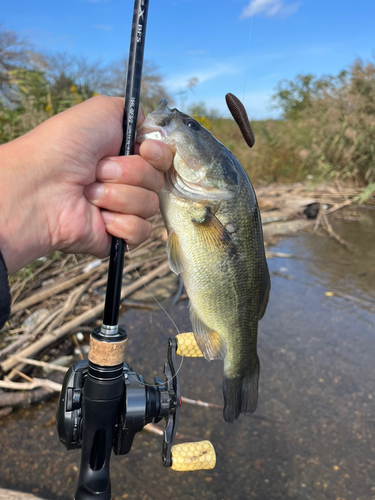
<point x="4" y="293"/>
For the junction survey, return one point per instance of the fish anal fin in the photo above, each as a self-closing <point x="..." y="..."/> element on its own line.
<point x="264" y="296"/>
<point x="174" y="253"/>
<point x="211" y="230"/>
<point x="210" y="342"/>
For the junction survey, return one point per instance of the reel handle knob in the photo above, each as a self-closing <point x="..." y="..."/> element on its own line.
<point x="187" y="346"/>
<point x="193" y="456"/>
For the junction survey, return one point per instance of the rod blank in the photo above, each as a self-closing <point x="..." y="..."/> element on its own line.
<point x="132" y="95"/>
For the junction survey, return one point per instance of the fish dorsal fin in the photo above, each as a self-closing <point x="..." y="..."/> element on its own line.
<point x="211" y="344"/>
<point x="174" y="253"/>
<point x="211" y="230"/>
<point x="264" y="295"/>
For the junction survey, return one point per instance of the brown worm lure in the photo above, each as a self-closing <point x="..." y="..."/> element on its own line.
<point x="239" y="114"/>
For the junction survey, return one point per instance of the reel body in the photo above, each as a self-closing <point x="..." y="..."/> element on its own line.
<point x="139" y="403"/>
<point x="101" y="408"/>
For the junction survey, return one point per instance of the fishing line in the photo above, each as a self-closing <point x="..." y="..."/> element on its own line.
<point x="248" y="58"/>
<point x="168" y="315"/>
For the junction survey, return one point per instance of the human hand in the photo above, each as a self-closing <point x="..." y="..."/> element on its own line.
<point x="64" y="187"/>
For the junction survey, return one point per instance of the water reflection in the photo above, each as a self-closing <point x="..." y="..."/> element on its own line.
<point x="349" y="272"/>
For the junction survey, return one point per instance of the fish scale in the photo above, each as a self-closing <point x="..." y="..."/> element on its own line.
<point x="224" y="271"/>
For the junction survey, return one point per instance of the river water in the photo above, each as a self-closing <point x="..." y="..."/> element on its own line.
<point x="313" y="433"/>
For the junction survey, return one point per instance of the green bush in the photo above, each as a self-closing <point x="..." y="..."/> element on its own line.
<point x="333" y="121"/>
<point x="327" y="130"/>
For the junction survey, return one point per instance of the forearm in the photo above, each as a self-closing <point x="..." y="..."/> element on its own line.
<point x="23" y="233"/>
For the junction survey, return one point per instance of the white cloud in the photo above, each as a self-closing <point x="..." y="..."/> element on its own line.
<point x="269" y="8"/>
<point x="179" y="81"/>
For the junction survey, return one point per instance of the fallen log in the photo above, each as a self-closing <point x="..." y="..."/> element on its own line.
<point x="283" y="228"/>
<point x="24" y="398"/>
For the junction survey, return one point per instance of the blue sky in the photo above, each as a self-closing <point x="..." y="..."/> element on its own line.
<point x="239" y="46"/>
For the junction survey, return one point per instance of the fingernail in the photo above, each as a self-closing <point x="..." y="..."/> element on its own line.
<point x="141" y="116"/>
<point x="107" y="217"/>
<point x="109" y="171"/>
<point x="152" y="151"/>
<point x="95" y="191"/>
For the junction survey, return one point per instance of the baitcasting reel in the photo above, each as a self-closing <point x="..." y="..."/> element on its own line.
<point x="140" y="404"/>
<point x="102" y="408"/>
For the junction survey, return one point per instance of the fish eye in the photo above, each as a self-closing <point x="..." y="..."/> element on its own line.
<point x="192" y="124"/>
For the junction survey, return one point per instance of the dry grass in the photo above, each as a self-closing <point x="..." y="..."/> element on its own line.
<point x="327" y="132"/>
<point x="273" y="158"/>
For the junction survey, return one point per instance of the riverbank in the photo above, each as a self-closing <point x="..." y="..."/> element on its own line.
<point x="311" y="436"/>
<point x="56" y="301"/>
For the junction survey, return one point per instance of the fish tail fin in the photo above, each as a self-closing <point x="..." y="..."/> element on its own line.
<point x="241" y="393"/>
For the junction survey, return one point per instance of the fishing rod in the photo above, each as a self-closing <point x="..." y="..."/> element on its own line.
<point x="129" y="126"/>
<point x="103" y="402"/>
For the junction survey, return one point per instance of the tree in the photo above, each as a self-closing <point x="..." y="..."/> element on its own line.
<point x="64" y="70"/>
<point x="152" y="89"/>
<point x="35" y="86"/>
<point x="334" y="120"/>
<point x="15" y="52"/>
<point x="295" y="96"/>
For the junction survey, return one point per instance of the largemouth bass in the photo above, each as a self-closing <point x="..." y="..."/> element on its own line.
<point x="215" y="243"/>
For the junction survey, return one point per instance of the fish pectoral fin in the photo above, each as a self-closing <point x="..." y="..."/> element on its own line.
<point x="174" y="253"/>
<point x="212" y="230"/>
<point x="264" y="296"/>
<point x="210" y="342"/>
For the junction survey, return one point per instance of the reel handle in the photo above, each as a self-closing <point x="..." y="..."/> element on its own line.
<point x="199" y="455"/>
<point x="187" y="457"/>
<point x="187" y="346"/>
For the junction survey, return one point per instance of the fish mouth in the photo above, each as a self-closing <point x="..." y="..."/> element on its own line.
<point x="151" y="132"/>
<point x="156" y="123"/>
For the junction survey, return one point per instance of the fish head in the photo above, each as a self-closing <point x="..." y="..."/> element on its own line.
<point x="202" y="167"/>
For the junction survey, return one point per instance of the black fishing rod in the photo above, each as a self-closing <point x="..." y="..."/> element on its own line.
<point x="132" y="95"/>
<point x="103" y="402"/>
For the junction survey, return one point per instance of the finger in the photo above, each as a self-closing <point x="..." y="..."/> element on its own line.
<point x="157" y="153"/>
<point x="131" y="170"/>
<point x="134" y="230"/>
<point x="124" y="199"/>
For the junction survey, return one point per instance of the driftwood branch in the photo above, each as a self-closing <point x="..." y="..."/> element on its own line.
<point x="42" y="364"/>
<point x="23" y="398"/>
<point x="198" y="402"/>
<point x="88" y="316"/>
<point x="324" y="222"/>
<point x="28" y="386"/>
<point x="55" y="289"/>
<point x="16" y="495"/>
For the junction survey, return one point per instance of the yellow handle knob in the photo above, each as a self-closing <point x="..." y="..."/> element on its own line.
<point x="193" y="456"/>
<point x="187" y="346"/>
